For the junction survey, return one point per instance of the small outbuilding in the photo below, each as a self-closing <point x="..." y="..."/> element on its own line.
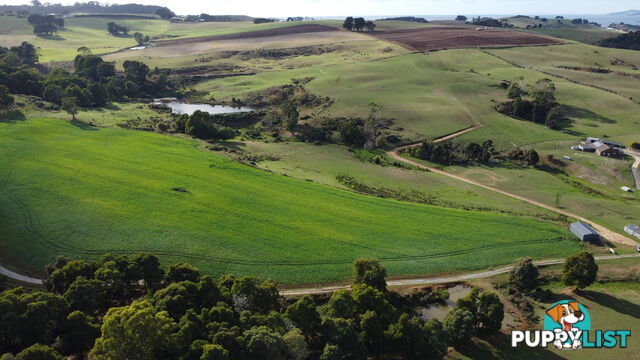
<point x="584" y="232"/>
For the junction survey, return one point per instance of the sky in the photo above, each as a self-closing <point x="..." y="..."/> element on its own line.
<point x="315" y="8"/>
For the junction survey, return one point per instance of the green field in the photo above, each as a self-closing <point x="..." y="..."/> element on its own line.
<point x="81" y="191"/>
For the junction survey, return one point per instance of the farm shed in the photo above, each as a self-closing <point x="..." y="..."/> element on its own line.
<point x="633" y="230"/>
<point x="584" y="232"/>
<point x="586" y="147"/>
<point x="615" y="144"/>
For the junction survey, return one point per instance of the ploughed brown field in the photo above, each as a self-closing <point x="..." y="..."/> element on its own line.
<point x="438" y="38"/>
<point x="287" y="30"/>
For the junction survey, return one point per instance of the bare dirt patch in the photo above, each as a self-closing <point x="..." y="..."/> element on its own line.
<point x="438" y="38"/>
<point x="297" y="29"/>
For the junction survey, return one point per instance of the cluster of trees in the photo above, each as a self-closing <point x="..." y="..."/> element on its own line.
<point x="448" y="153"/>
<point x="129" y="307"/>
<point x="535" y="26"/>
<point x="361" y="133"/>
<point x="117" y="29"/>
<point x="202" y="125"/>
<point x="528" y="157"/>
<point x="630" y="41"/>
<point x="140" y="38"/>
<point x="358" y="24"/>
<point x="94" y="82"/>
<point x="489" y="22"/>
<point x="580" y="270"/>
<point x="535" y="103"/>
<point x="17" y="74"/>
<point x="45" y="24"/>
<point x="461" y="18"/>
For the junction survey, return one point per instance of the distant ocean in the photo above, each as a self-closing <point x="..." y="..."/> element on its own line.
<point x="605" y="19"/>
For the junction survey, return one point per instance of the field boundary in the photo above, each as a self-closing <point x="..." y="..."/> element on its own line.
<point x="441" y="279"/>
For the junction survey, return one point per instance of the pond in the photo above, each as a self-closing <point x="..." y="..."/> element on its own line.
<point x="439" y="311"/>
<point x="185" y="108"/>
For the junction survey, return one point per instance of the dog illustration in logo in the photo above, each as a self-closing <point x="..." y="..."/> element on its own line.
<point x="567" y="315"/>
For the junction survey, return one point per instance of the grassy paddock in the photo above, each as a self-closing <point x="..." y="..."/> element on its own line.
<point x="81" y="191"/>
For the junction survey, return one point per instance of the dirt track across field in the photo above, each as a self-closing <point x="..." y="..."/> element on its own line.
<point x="609" y="235"/>
<point x="287" y="30"/>
<point x="438" y="38"/>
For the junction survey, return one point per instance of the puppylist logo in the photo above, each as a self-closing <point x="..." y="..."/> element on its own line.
<point x="567" y="325"/>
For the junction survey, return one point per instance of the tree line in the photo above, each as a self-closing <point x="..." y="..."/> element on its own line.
<point x="124" y="307"/>
<point x="358" y="24"/>
<point x="94" y="7"/>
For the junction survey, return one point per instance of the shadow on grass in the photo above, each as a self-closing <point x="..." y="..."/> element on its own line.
<point x="110" y="107"/>
<point x="11" y="116"/>
<point x="55" y="37"/>
<point x="619" y="305"/>
<point x="577" y="112"/>
<point x="82" y="125"/>
<point x="499" y="347"/>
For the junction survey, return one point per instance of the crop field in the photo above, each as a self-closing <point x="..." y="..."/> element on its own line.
<point x="297" y="29"/>
<point x="81" y="191"/>
<point x="436" y="38"/>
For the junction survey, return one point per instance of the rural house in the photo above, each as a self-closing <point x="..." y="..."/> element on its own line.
<point x="584" y="232"/>
<point x="603" y="149"/>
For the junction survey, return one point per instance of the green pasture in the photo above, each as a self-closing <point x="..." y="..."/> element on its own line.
<point x="78" y="32"/>
<point x="427" y="95"/>
<point x="342" y="48"/>
<point x="70" y="189"/>
<point x="323" y="163"/>
<point x="592" y="188"/>
<point x="589" y="35"/>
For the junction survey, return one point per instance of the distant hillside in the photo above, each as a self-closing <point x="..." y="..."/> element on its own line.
<point x="90" y="7"/>
<point x="625" y="27"/>
<point x="627" y="13"/>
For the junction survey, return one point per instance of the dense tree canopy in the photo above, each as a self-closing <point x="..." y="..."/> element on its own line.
<point x="580" y="270"/>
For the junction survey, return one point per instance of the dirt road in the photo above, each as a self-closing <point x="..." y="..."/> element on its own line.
<point x="635" y="168"/>
<point x="443" y="279"/>
<point x="22" y="278"/>
<point x="604" y="232"/>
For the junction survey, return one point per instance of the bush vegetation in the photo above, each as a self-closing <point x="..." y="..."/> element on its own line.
<point x="123" y="307"/>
